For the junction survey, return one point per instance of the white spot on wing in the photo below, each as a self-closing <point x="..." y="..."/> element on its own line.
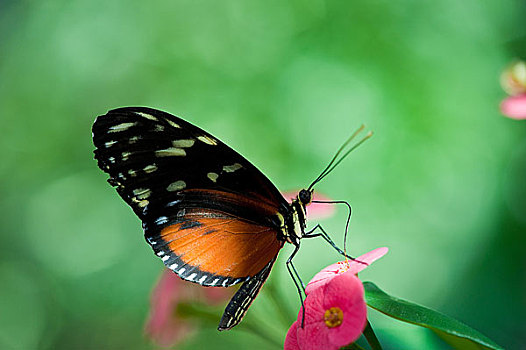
<point x="133" y="139"/>
<point x="172" y="151"/>
<point x="212" y="176"/>
<point x="161" y="220"/>
<point x="232" y="168"/>
<point x="109" y="143"/>
<point x="192" y="276"/>
<point x="111" y="159"/>
<point x="173" y="266"/>
<point x="181" y="270"/>
<point x="176" y="186"/>
<point x="172" y="123"/>
<point x="147" y="116"/>
<point x="207" y="140"/>
<point x="225" y="282"/>
<point x="172" y="203"/>
<point x="125" y="155"/>
<point x="159" y="127"/>
<point x="132" y="173"/>
<point x="183" y="143"/>
<point x="164" y="258"/>
<point x="143" y="203"/>
<point x="142" y="193"/>
<point x="214" y="282"/>
<point x="121" y="127"/>
<point x="150" y="168"/>
<point x="202" y="279"/>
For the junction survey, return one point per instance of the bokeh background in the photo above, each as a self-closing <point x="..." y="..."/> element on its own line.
<point x="442" y="182"/>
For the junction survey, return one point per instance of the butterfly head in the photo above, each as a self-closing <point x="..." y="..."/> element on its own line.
<point x="305" y="197"/>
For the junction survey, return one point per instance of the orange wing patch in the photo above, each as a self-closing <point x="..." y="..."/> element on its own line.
<point x="223" y="245"/>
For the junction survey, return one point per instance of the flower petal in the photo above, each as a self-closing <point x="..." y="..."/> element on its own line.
<point x="319" y="211"/>
<point x="350" y="266"/>
<point x="346" y="291"/>
<point x="291" y="340"/>
<point x="514" y="107"/>
<point x="163" y="326"/>
<point x="313" y="335"/>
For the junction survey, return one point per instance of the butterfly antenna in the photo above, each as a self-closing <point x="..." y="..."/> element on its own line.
<point x="337" y="159"/>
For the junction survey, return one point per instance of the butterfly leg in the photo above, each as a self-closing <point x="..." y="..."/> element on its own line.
<point x="346" y="223"/>
<point x="295" y="278"/>
<point x="326" y="237"/>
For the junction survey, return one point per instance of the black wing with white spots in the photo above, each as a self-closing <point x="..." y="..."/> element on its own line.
<point x="146" y="150"/>
<point x="178" y="179"/>
<point x="241" y="301"/>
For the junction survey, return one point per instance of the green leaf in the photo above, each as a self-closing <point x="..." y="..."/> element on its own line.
<point x="452" y="331"/>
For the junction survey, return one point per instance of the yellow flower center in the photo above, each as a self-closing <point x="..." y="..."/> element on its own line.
<point x="333" y="317"/>
<point x="343" y="266"/>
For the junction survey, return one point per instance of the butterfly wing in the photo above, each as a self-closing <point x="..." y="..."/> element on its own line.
<point x="208" y="213"/>
<point x="241" y="301"/>
<point x="138" y="145"/>
<point x="210" y="245"/>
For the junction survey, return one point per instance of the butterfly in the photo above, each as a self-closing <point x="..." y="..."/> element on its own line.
<point x="208" y="213"/>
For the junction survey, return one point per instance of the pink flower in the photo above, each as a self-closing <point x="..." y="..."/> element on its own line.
<point x="349" y="266"/>
<point x="163" y="325"/>
<point x="335" y="316"/>
<point x="335" y="310"/>
<point x="514" y="107"/>
<point x="513" y="81"/>
<point x="291" y="340"/>
<point x="315" y="211"/>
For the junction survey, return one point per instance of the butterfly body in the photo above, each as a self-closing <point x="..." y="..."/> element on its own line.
<point x="210" y="215"/>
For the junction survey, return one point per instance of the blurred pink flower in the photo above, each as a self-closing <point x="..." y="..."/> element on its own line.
<point x="164" y="326"/>
<point x="514" y="107"/>
<point x="335" y="316"/>
<point x="315" y="211"/>
<point x="349" y="266"/>
<point x="513" y="81"/>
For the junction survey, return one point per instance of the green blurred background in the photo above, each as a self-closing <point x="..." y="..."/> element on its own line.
<point x="442" y="182"/>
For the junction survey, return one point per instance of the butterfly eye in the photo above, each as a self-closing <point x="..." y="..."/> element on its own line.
<point x="305" y="197"/>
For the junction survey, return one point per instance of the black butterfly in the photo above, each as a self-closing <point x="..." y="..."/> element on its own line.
<point x="210" y="215"/>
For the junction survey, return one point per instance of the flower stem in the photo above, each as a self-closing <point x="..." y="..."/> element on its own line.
<point x="371" y="338"/>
